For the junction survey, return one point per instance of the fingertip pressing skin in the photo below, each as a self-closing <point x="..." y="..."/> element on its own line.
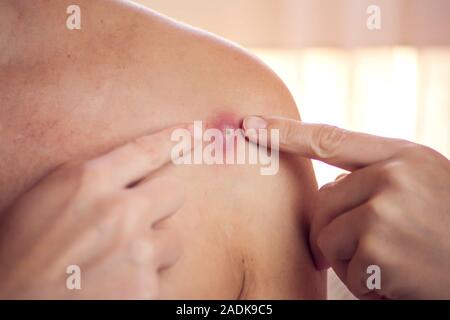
<point x="224" y="120"/>
<point x="254" y="122"/>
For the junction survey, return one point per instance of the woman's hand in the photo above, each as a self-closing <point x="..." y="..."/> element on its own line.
<point x="392" y="210"/>
<point x="99" y="215"/>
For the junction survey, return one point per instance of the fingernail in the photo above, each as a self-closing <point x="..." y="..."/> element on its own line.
<point x="251" y="134"/>
<point x="254" y="122"/>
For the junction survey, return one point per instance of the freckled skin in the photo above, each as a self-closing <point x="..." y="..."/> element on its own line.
<point x="138" y="72"/>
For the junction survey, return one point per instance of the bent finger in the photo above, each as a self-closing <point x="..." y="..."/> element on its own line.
<point x="339" y="240"/>
<point x="133" y="161"/>
<point x="163" y="196"/>
<point x="167" y="248"/>
<point x="337" y="199"/>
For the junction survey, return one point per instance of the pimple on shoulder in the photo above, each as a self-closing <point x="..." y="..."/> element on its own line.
<point x="231" y="139"/>
<point x="224" y="120"/>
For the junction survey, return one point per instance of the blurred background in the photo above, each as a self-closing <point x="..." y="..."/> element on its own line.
<point x="392" y="81"/>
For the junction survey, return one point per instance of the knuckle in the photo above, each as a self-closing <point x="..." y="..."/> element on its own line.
<point x="114" y="218"/>
<point x="90" y="175"/>
<point x="420" y="152"/>
<point x="369" y="247"/>
<point x="373" y="207"/>
<point x="374" y="250"/>
<point x="137" y="149"/>
<point x="377" y="212"/>
<point x="155" y="158"/>
<point x="105" y="230"/>
<point x="420" y="149"/>
<point x="410" y="148"/>
<point x="150" y="150"/>
<point x="327" y="141"/>
<point x="395" y="173"/>
<point x="144" y="252"/>
<point x="288" y="133"/>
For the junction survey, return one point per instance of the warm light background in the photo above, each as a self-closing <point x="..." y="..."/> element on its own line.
<point x="393" y="82"/>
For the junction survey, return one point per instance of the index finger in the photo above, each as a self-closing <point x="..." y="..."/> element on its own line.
<point x="137" y="159"/>
<point x="338" y="147"/>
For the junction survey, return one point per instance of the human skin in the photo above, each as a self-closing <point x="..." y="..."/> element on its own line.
<point x="392" y="210"/>
<point x="99" y="217"/>
<point x="75" y="94"/>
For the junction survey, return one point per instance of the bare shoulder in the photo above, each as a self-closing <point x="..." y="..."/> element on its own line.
<point x="251" y="234"/>
<point x="204" y="64"/>
<point x="269" y="214"/>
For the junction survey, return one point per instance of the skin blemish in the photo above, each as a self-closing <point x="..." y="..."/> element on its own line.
<point x="224" y="120"/>
<point x="222" y="142"/>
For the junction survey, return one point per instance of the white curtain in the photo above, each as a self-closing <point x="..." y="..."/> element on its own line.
<point x="401" y="92"/>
